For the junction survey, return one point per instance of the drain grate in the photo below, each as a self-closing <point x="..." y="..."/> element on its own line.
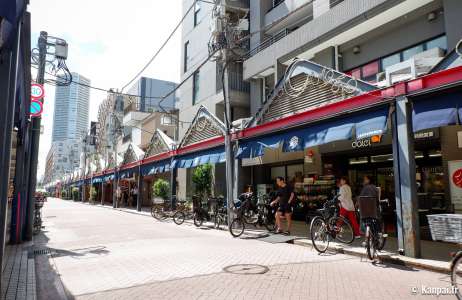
<point x="246" y="269"/>
<point x="44" y="251"/>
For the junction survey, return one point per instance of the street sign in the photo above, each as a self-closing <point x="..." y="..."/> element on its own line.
<point x="37" y="91"/>
<point x="36" y="108"/>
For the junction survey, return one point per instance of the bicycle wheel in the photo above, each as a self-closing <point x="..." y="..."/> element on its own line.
<point x="343" y="230"/>
<point x="319" y="235"/>
<point x="370" y="244"/>
<point x="158" y="213"/>
<point x="456" y="274"/>
<point x="382" y="237"/>
<point x="179" y="217"/>
<point x="216" y="221"/>
<point x="268" y="221"/>
<point x="198" y="220"/>
<point x="237" y="227"/>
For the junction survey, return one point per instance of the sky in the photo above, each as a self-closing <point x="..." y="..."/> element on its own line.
<point x="109" y="42"/>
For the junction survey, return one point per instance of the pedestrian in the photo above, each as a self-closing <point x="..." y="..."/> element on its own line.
<point x="134" y="194"/>
<point x="347" y="207"/>
<point x="369" y="189"/>
<point x="285" y="199"/>
<point x="118" y="196"/>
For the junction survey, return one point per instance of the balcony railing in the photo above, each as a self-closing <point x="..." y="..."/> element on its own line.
<point x="268" y="42"/>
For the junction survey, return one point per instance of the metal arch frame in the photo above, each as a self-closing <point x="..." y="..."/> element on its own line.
<point x="158" y="138"/>
<point x="301" y="66"/>
<point x="202" y="112"/>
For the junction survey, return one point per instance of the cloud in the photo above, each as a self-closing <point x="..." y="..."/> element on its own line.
<point x="109" y="41"/>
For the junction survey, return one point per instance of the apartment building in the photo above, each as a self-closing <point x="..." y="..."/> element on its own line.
<point x="363" y="38"/>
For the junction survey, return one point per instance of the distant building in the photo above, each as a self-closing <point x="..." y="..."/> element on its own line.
<point x="70" y="124"/>
<point x="70" y="120"/>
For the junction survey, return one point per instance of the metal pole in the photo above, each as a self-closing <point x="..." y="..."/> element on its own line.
<point x="35" y="128"/>
<point x="116" y="176"/>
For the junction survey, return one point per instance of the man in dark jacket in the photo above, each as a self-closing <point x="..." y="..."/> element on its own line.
<point x="369" y="189"/>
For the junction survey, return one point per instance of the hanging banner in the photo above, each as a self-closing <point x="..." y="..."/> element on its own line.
<point x="455" y="179"/>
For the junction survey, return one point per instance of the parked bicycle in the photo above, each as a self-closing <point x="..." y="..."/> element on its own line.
<point x="160" y="210"/>
<point x="39" y="200"/>
<point x="249" y="213"/>
<point x="445" y="227"/>
<point x="183" y="212"/>
<point x="370" y="212"/>
<point x="205" y="212"/>
<point x="329" y="225"/>
<point x="221" y="215"/>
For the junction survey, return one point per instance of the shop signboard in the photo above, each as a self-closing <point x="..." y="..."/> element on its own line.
<point x="455" y="179"/>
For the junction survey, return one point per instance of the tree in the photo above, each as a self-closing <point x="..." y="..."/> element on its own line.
<point x="202" y="178"/>
<point x="161" y="188"/>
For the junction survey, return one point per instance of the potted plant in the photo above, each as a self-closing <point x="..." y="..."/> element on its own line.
<point x="63" y="194"/>
<point x="160" y="190"/>
<point x="202" y="179"/>
<point x="93" y="194"/>
<point x="75" y="193"/>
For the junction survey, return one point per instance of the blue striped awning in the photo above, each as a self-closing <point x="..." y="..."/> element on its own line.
<point x="156" y="167"/>
<point x="436" y="111"/>
<point x="367" y="124"/>
<point x="209" y="156"/>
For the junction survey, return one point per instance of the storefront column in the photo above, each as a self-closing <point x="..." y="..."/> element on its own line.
<point x="102" y="192"/>
<point x="237" y="168"/>
<point x="173" y="175"/>
<point x="139" y="199"/>
<point x="405" y="179"/>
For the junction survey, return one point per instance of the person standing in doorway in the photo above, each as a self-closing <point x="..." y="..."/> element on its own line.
<point x="369" y="189"/>
<point x="347" y="208"/>
<point x="285" y="199"/>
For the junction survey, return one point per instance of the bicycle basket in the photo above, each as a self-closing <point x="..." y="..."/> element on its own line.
<point x="446" y="227"/>
<point x="368" y="207"/>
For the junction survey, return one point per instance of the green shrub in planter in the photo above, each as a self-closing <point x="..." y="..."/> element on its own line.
<point x="63" y="194"/>
<point x="161" y="188"/>
<point x="202" y="178"/>
<point x="75" y="193"/>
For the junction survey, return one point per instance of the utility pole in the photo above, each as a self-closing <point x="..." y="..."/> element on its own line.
<point x="117" y="128"/>
<point x="35" y="137"/>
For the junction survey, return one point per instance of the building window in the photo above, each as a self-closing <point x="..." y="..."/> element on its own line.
<point x="408" y="53"/>
<point x="166" y="120"/>
<point x="197" y="14"/>
<point x="440" y="42"/>
<point x="186" y="56"/>
<point x="391" y="60"/>
<point x="195" y="92"/>
<point x="277" y="2"/>
<point x="332" y="3"/>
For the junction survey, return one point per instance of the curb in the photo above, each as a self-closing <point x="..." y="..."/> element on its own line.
<point x="384" y="257"/>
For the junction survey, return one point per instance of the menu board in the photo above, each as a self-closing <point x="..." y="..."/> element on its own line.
<point x="455" y="179"/>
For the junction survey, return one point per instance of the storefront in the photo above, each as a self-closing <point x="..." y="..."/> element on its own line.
<point x="415" y="160"/>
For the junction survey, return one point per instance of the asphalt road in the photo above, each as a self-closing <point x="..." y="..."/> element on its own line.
<point x="101" y="253"/>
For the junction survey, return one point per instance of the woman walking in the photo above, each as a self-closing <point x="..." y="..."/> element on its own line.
<point x="347" y="208"/>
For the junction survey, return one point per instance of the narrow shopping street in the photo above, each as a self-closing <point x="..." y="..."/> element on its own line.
<point x="101" y="253"/>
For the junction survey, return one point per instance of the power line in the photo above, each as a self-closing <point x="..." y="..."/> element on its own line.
<point x="161" y="47"/>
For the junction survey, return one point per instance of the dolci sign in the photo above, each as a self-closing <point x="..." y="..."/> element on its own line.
<point x="365" y="143"/>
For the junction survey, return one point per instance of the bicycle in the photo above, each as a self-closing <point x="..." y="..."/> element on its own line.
<point x="38" y="214"/>
<point x="443" y="228"/>
<point x="247" y="213"/>
<point x="159" y="210"/>
<point x="329" y="225"/>
<point x="201" y="211"/>
<point x="375" y="237"/>
<point x="183" y="212"/>
<point x="220" y="216"/>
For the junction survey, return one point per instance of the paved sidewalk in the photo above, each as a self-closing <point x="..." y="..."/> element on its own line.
<point x="435" y="255"/>
<point x="100" y="253"/>
<point x="18" y="276"/>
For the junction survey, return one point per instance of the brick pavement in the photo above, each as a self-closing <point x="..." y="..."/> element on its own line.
<point x="108" y="254"/>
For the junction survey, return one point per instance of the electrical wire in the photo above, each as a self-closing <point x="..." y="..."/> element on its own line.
<point x="161" y="47"/>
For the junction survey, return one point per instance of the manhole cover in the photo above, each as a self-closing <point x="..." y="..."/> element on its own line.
<point x="246" y="269"/>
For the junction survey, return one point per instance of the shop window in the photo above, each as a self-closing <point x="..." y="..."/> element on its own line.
<point x="370" y="69"/>
<point x="294" y="172"/>
<point x="418" y="154"/>
<point x="356" y="73"/>
<point x="434" y="153"/>
<point x="278" y="171"/>
<point x="408" y="53"/>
